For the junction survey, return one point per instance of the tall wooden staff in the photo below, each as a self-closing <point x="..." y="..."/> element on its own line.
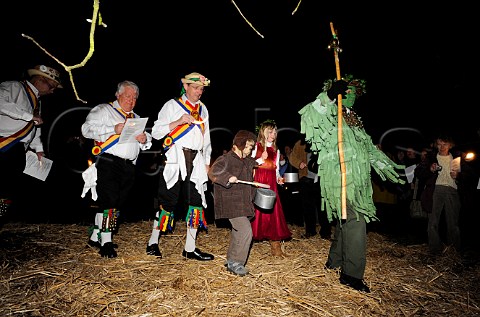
<point x="334" y="44"/>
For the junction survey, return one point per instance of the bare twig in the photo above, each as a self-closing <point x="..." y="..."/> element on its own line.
<point x="238" y="9"/>
<point x="296" y="8"/>
<point x="68" y="69"/>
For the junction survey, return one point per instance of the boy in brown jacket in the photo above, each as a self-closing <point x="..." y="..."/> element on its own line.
<point x="234" y="200"/>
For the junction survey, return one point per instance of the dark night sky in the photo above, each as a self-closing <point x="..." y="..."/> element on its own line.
<point x="419" y="63"/>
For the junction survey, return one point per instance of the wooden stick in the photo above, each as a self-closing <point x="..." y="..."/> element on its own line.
<point x="339" y="132"/>
<point x="254" y="184"/>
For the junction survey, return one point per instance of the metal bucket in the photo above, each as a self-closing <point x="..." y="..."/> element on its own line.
<point x="265" y="198"/>
<point x="290" y="177"/>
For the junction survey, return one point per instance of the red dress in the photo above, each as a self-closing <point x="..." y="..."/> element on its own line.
<point x="269" y="225"/>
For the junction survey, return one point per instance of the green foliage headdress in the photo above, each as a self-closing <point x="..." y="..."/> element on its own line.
<point x="358" y="84"/>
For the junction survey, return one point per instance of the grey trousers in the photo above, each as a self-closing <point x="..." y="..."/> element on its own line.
<point x="349" y="245"/>
<point x="445" y="198"/>
<point x="240" y="240"/>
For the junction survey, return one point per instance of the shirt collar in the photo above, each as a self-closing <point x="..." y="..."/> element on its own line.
<point x="34" y="89"/>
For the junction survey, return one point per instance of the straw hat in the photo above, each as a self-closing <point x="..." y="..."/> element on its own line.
<point x="196" y="78"/>
<point x="47" y="72"/>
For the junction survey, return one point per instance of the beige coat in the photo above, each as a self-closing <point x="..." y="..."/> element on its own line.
<point x="297" y="156"/>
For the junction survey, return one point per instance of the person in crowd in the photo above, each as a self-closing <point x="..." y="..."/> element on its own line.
<point x="234" y="200"/>
<point x="411" y="157"/>
<point x="284" y="164"/>
<point x="403" y="190"/>
<point x="441" y="175"/>
<point x="183" y="125"/>
<point x="112" y="176"/>
<point x="285" y="159"/>
<point x="350" y="202"/>
<point x="20" y="127"/>
<point x="423" y="163"/>
<point x="269" y="225"/>
<point x="288" y="193"/>
<point x="306" y="162"/>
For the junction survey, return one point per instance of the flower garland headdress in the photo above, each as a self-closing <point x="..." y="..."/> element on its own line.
<point x="358" y="84"/>
<point x="264" y="123"/>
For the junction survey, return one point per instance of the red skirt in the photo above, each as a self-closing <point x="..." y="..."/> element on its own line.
<point x="270" y="224"/>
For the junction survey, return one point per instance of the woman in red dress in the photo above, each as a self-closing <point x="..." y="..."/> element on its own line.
<point x="269" y="224"/>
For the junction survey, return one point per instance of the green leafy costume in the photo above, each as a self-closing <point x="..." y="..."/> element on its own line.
<point x="319" y="122"/>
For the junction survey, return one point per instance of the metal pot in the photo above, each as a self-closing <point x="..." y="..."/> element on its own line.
<point x="265" y="198"/>
<point x="290" y="177"/>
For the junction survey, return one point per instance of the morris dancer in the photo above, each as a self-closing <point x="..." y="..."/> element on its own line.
<point x="182" y="123"/>
<point x="112" y="176"/>
<point x="20" y="128"/>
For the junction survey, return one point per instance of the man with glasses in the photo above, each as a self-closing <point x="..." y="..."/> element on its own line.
<point x="183" y="126"/>
<point x="20" y="127"/>
<point x="112" y="176"/>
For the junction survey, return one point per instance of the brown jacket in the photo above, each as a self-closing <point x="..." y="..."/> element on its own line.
<point x="232" y="200"/>
<point x="297" y="156"/>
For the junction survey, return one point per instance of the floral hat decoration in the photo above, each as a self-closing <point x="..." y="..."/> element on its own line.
<point x="195" y="78"/>
<point x="358" y="84"/>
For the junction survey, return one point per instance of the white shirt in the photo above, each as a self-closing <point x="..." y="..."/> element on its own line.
<point x="194" y="139"/>
<point x="100" y="125"/>
<point x="444" y="177"/>
<point x="16" y="111"/>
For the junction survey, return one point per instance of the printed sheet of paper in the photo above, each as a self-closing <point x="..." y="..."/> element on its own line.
<point x="36" y="168"/>
<point x="132" y="128"/>
<point x="455" y="165"/>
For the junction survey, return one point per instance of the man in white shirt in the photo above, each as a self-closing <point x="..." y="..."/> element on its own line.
<point x="183" y="124"/>
<point x="113" y="174"/>
<point x="20" y="127"/>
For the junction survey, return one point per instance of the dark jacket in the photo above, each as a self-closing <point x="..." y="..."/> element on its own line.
<point x="232" y="200"/>
<point x="427" y="180"/>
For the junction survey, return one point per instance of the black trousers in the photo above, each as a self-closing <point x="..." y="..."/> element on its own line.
<point x="349" y="245"/>
<point x="182" y="194"/>
<point x="12" y="164"/>
<point x="311" y="203"/>
<point x="115" y="179"/>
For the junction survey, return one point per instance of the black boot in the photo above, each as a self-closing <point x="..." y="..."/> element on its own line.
<point x="354" y="283"/>
<point x="107" y="250"/>
<point x="154" y="250"/>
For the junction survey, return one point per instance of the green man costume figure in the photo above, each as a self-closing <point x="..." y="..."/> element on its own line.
<point x="319" y="122"/>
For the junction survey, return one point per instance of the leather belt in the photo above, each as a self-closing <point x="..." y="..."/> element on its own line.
<point x="190" y="150"/>
<point x="115" y="158"/>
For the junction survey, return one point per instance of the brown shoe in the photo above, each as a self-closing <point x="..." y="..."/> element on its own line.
<point x="277" y="248"/>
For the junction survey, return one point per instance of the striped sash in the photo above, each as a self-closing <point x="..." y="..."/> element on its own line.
<point x="183" y="129"/>
<point x="101" y="147"/>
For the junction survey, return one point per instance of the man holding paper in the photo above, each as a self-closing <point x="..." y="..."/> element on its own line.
<point x="112" y="176"/>
<point x="20" y="127"/>
<point x="441" y="174"/>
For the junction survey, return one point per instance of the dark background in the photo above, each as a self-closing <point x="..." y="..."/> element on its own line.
<point x="420" y="65"/>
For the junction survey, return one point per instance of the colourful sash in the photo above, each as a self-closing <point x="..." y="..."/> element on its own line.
<point x="183" y="129"/>
<point x="7" y="142"/>
<point x="101" y="147"/>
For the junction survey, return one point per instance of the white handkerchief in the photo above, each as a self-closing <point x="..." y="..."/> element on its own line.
<point x="90" y="178"/>
<point x="409" y="172"/>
